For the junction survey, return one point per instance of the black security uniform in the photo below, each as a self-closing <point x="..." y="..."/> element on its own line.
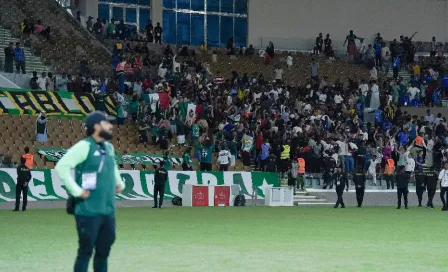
<point x="271" y="164"/>
<point x="431" y="185"/>
<point x="359" y="179"/>
<point x="23" y="177"/>
<point x="402" y="189"/>
<point x="160" y="178"/>
<point x="340" y="182"/>
<point x="328" y="181"/>
<point x="420" y="185"/>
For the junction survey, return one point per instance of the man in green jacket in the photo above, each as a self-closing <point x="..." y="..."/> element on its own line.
<point x="94" y="186"/>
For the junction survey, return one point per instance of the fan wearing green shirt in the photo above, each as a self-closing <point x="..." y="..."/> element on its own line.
<point x="94" y="187"/>
<point x="166" y="161"/>
<point x="186" y="160"/>
<point x="206" y="152"/>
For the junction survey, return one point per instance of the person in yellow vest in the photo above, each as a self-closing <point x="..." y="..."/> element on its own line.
<point x="300" y="174"/>
<point x="29" y="158"/>
<point x="389" y="171"/>
<point x="284" y="158"/>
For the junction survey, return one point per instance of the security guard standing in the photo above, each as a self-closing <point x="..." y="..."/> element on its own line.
<point x="160" y="178"/>
<point x="420" y="185"/>
<point x="301" y="174"/>
<point x="402" y="188"/>
<point x="359" y="179"/>
<point x="341" y="182"/>
<point x="389" y="170"/>
<point x="431" y="186"/>
<point x="23" y="177"/>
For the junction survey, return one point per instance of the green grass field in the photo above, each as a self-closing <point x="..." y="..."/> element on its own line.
<point x="237" y="239"/>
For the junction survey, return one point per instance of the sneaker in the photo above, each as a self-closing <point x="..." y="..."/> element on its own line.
<point x="342" y="207"/>
<point x="335" y="207"/>
<point x="419" y="205"/>
<point x="155" y="207"/>
<point x="359" y="206"/>
<point x="398" y="207"/>
<point x="23" y="209"/>
<point x="160" y="207"/>
<point x="15" y="210"/>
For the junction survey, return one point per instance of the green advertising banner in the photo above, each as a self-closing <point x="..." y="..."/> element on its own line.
<point x="55" y="154"/>
<point x="32" y="102"/>
<point x="45" y="185"/>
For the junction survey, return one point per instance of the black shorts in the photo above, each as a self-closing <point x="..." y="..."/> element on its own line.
<point x="205" y="166"/>
<point x="223" y="167"/>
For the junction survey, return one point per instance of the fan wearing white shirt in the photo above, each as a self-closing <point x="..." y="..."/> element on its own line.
<point x="413" y="91"/>
<point x="223" y="159"/>
<point x="372" y="168"/>
<point x="289" y="61"/>
<point x="338" y="99"/>
<point x="322" y="98"/>
<point x="443" y="179"/>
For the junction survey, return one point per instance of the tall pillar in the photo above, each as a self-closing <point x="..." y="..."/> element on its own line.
<point x="89" y="8"/>
<point x="157" y="12"/>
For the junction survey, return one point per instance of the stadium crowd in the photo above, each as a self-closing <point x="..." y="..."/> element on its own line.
<point x="353" y="122"/>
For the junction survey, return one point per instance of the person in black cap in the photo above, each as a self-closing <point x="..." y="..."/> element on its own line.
<point x="96" y="183"/>
<point x="431" y="186"/>
<point x="402" y="188"/>
<point x="341" y="182"/>
<point x="160" y="178"/>
<point x="359" y="179"/>
<point x="23" y="177"/>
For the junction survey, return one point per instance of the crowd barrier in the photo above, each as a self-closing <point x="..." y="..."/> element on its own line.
<point x="46" y="186"/>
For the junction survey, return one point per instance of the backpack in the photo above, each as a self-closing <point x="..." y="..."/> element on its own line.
<point x="33" y="84"/>
<point x="240" y="201"/>
<point x="177" y="201"/>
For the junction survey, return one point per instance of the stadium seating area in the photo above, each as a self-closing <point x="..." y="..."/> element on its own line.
<point x="68" y="42"/>
<point x="19" y="131"/>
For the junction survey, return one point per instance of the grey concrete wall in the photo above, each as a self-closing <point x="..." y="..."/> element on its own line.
<point x="296" y="23"/>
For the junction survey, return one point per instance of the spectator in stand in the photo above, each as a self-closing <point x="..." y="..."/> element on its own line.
<point x="41" y="128"/>
<point x="149" y="32"/>
<point x="89" y="24"/>
<point x="416" y="71"/>
<point x="432" y="47"/>
<point x="9" y="58"/>
<point x="386" y="62"/>
<point x="61" y="83"/>
<point x="270" y="50"/>
<point x="98" y="29"/>
<point x="33" y="81"/>
<point x="318" y="45"/>
<point x="314" y="70"/>
<point x="84" y="66"/>
<point x="111" y="29"/>
<point x="289" y="60"/>
<point x="370" y="57"/>
<point x="51" y="82"/>
<point x="42" y="81"/>
<point x="351" y="46"/>
<point x="230" y="47"/>
<point x="378" y="46"/>
<point x="203" y="47"/>
<point x="158" y="31"/>
<point x="250" y="51"/>
<point x="19" y="55"/>
<point x="39" y="27"/>
<point x="327" y="45"/>
<point x="440" y="50"/>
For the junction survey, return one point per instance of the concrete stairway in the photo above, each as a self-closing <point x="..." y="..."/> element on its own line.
<point x="33" y="63"/>
<point x="402" y="73"/>
<point x="306" y="199"/>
